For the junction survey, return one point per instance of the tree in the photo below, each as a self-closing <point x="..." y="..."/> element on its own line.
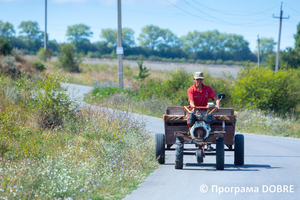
<point x="267" y="46"/>
<point x="168" y="40"/>
<point x="238" y="47"/>
<point x="31" y="29"/>
<point x="127" y="37"/>
<point x="297" y="38"/>
<point x="68" y="59"/>
<point x="6" y="30"/>
<point x="78" y="34"/>
<point x="150" y="37"/>
<point x="192" y="42"/>
<point x="110" y="36"/>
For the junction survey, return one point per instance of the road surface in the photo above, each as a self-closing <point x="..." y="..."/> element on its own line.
<point x="271" y="171"/>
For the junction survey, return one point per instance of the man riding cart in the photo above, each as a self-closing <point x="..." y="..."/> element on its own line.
<point x="202" y="124"/>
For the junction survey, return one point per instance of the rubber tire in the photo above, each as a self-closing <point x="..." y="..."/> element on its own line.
<point x="220" y="153"/>
<point x="199" y="156"/>
<point x="239" y="149"/>
<point x="179" y="153"/>
<point x="160" y="148"/>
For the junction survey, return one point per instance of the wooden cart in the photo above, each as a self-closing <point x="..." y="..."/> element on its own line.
<point x="221" y="126"/>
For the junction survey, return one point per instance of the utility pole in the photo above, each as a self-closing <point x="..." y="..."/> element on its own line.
<point x="258" y="51"/>
<point x="279" y="36"/>
<point x="120" y="48"/>
<point x="45" y="33"/>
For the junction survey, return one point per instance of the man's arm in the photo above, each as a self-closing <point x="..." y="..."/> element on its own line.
<point x="217" y="102"/>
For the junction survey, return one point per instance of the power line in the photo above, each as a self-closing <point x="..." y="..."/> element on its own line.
<point x="222" y="22"/>
<point x="188" y="12"/>
<point x="292" y="9"/>
<point x="235" y="14"/>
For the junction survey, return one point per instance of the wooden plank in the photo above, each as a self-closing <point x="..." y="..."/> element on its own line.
<point x="175" y="111"/>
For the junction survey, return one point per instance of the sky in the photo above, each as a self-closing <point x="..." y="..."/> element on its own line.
<point x="248" y="18"/>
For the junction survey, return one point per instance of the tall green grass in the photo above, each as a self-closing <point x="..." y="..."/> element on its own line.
<point x="93" y="154"/>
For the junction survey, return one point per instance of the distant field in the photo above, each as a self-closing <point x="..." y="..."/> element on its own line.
<point x="214" y="70"/>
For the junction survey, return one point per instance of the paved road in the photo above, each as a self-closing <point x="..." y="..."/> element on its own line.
<point x="271" y="164"/>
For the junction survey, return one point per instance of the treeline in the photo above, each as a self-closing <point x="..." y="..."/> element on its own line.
<point x="155" y="43"/>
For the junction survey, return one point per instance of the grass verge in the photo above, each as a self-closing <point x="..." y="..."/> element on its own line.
<point x="91" y="154"/>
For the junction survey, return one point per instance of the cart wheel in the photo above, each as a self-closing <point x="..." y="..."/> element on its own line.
<point x="179" y="153"/>
<point x="199" y="156"/>
<point x="160" y="148"/>
<point x="239" y="149"/>
<point x="220" y="154"/>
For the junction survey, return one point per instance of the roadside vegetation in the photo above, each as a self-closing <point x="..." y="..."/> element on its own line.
<point x="52" y="148"/>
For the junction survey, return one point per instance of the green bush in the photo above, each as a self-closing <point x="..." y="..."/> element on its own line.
<point x="5" y="47"/>
<point x="44" y="55"/>
<point x="182" y="60"/>
<point x="176" y="60"/>
<point x="209" y="62"/>
<point x="54" y="104"/>
<point x="154" y="58"/>
<point x="143" y="71"/>
<point x="68" y="59"/>
<point x="38" y="65"/>
<point x="95" y="54"/>
<point x="8" y="66"/>
<point x="219" y="61"/>
<point x="265" y="90"/>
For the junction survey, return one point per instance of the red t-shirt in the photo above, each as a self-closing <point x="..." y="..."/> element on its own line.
<point x="200" y="98"/>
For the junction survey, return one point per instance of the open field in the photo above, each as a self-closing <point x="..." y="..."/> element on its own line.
<point x="214" y="70"/>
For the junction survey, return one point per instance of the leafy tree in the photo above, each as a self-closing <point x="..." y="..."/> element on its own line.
<point x="110" y="36"/>
<point x="267" y="46"/>
<point x="168" y="40"/>
<point x="5" y="47"/>
<point x="31" y="29"/>
<point x="297" y="38"/>
<point x="238" y="47"/>
<point x="68" y="59"/>
<point x="192" y="42"/>
<point x="6" y="30"/>
<point x="127" y="37"/>
<point x="150" y="37"/>
<point x="78" y="34"/>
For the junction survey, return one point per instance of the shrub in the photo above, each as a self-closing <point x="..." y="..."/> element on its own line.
<point x="8" y="66"/>
<point x="39" y="66"/>
<point x="5" y="47"/>
<point x="143" y="71"/>
<point x="265" y="90"/>
<point x="176" y="60"/>
<point x="69" y="60"/>
<point x="95" y="54"/>
<point x="219" y="61"/>
<point x="154" y="58"/>
<point x="54" y="104"/>
<point x="182" y="60"/>
<point x="209" y="62"/>
<point x="190" y="60"/>
<point x="44" y="55"/>
<point x="106" y="56"/>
